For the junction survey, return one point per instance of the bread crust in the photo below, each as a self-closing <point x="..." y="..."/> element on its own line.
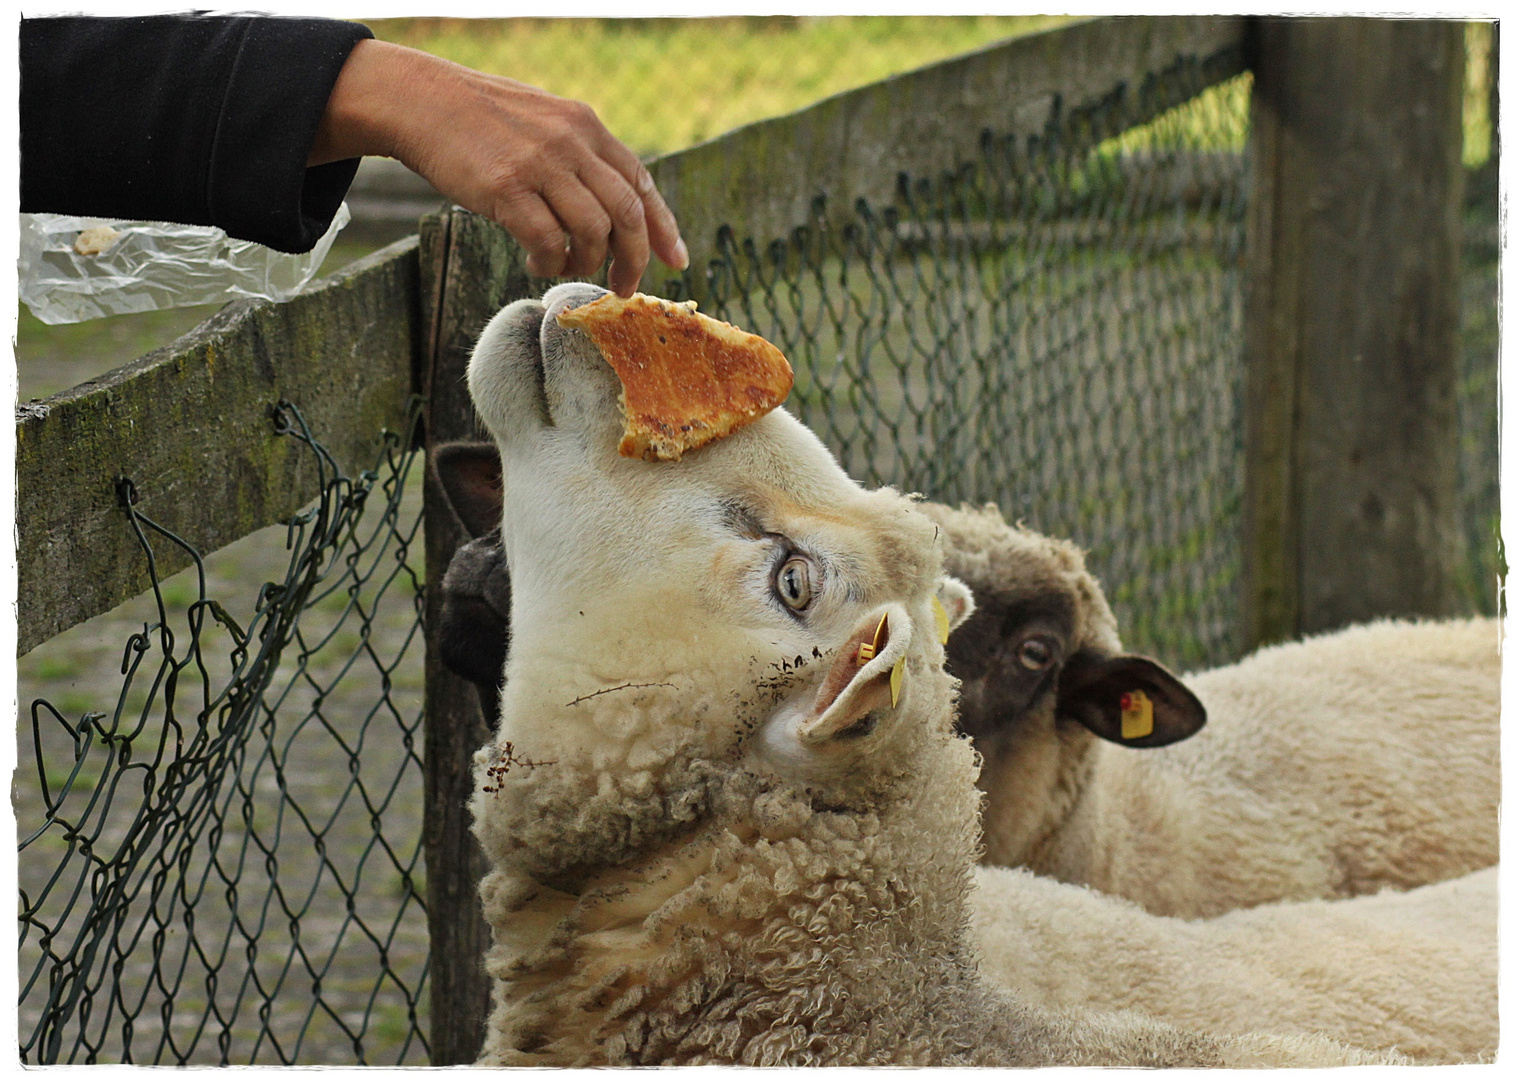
<point x="687" y="379"/>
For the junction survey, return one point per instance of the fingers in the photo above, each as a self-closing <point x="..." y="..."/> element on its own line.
<point x="627" y="215"/>
<point x="542" y="166"/>
<point x="528" y="218"/>
<point x="629" y="231"/>
<point x="585" y="219"/>
<point x="662" y="229"/>
<point x="601" y="210"/>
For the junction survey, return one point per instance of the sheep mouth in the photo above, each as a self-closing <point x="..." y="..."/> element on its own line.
<point x="505" y="374"/>
<point x="560" y="366"/>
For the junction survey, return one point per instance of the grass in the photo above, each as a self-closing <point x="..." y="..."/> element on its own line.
<point x="51" y="359"/>
<point x="1478" y="39"/>
<point x="663" y="84"/>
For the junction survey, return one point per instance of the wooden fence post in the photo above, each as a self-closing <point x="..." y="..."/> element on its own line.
<point x="454" y="727"/>
<point x="469" y="270"/>
<point x="1352" y="323"/>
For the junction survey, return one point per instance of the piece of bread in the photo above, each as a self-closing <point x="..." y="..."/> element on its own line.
<point x="687" y="379"/>
<point x="94" y="241"/>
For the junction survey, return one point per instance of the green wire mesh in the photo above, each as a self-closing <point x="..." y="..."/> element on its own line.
<point x="225" y="866"/>
<point x="1055" y="328"/>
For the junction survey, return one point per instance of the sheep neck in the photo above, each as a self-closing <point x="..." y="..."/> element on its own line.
<point x="764" y="938"/>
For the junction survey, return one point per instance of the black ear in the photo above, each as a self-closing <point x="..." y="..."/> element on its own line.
<point x="1093" y="690"/>
<point x="470" y="476"/>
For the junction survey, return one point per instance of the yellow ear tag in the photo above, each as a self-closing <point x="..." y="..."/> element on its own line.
<point x="897" y="675"/>
<point x="1137" y="715"/>
<point x="940" y="613"/>
<point x="867" y="649"/>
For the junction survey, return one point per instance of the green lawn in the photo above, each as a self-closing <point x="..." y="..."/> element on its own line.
<point x="663" y="84"/>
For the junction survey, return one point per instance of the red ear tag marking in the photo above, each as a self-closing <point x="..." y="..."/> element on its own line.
<point x="1137" y="715"/>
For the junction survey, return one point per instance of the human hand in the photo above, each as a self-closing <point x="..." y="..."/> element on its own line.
<point x="544" y="167"/>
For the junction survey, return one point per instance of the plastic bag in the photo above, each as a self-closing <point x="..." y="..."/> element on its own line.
<point x="77" y="268"/>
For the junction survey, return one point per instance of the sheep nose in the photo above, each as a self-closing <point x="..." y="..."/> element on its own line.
<point x="571" y="294"/>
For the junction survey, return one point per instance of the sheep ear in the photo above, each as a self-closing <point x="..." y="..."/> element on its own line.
<point x="867" y="676"/>
<point x="1128" y="700"/>
<point x="956" y="600"/>
<point x="470" y="477"/>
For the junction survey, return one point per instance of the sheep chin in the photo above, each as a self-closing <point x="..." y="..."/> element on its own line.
<point x="779" y="749"/>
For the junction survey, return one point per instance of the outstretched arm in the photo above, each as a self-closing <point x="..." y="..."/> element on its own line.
<point x="205" y="120"/>
<point x="543" y="167"/>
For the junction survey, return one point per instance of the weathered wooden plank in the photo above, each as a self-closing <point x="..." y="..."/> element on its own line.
<point x="764" y="177"/>
<point x="1351" y="438"/>
<point x="191" y="425"/>
<point x="470" y="269"/>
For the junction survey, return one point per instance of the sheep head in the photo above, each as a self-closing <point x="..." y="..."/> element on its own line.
<point x="474" y="617"/>
<point x="1044" y="675"/>
<point x="685" y="636"/>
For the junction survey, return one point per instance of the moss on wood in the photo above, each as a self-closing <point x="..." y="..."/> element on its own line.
<point x="762" y="179"/>
<point x="191" y="425"/>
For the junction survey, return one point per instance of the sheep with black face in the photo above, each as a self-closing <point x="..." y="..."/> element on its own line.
<point x="1332" y="767"/>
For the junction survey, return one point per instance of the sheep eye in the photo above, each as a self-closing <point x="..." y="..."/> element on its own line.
<point x="793" y="583"/>
<point x="1034" y="654"/>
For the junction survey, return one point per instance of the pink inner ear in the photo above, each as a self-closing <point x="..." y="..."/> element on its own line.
<point x="847" y="666"/>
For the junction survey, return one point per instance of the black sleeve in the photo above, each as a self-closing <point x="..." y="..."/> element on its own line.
<point x="188" y="118"/>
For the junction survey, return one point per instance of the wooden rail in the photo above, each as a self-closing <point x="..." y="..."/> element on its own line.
<point x="191" y="426"/>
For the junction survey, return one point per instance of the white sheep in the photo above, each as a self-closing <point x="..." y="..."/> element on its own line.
<point x="1411" y="971"/>
<point x="720" y="831"/>
<point x="1331" y="767"/>
<point x="1414" y="971"/>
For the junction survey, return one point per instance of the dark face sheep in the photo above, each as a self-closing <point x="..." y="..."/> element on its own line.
<point x="476" y="590"/>
<point x="1043" y="676"/>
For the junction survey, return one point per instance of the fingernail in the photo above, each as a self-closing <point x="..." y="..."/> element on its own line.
<point x="681" y="254"/>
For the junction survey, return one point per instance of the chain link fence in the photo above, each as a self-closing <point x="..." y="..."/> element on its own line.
<point x="1056" y="328"/>
<point x="223" y="864"/>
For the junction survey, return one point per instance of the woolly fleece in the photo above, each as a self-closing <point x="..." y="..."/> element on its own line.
<point x="1410" y="971"/>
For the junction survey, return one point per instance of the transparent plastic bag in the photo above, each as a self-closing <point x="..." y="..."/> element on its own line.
<point x="77" y="268"/>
